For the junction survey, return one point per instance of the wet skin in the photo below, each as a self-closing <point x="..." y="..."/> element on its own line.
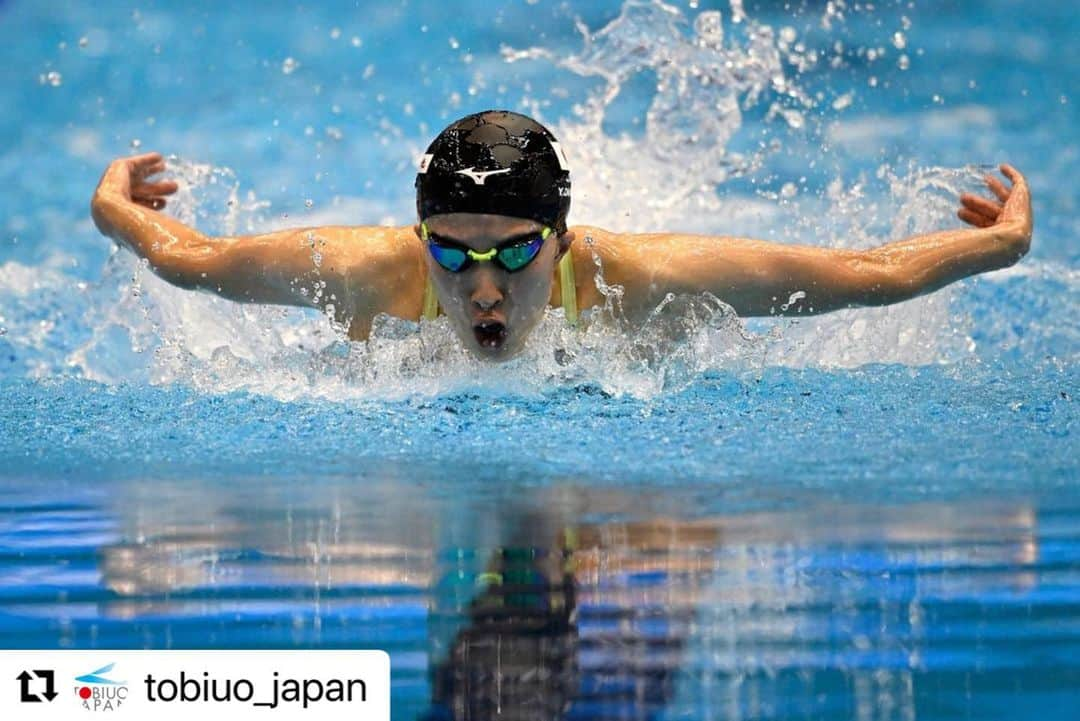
<point x="365" y="271"/>
<point x="491" y="309"/>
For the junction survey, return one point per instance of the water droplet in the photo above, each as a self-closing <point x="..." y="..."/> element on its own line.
<point x="289" y="65"/>
<point x="842" y="102"/>
<point x="903" y="62"/>
<point x="136" y="143"/>
<point x="454" y="43"/>
<point x="369" y="71"/>
<point x="309" y="202"/>
<point x="789" y="190"/>
<point x="788" y="34"/>
<point x="335" y="33"/>
<point x="334" y="133"/>
<point x="53" y="78"/>
<point x="793" y="117"/>
<point x="899" y="41"/>
<point x="797" y="295"/>
<point x="356" y="42"/>
<point x="84" y="41"/>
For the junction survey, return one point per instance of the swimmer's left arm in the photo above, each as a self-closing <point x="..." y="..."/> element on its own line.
<point x="759" y="278"/>
<point x="755" y="277"/>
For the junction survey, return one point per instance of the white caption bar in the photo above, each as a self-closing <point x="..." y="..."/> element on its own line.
<point x="167" y="685"/>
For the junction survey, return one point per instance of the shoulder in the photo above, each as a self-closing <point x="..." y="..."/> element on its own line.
<point x="361" y="248"/>
<point x="620" y="253"/>
<point x="619" y="259"/>
<point x="644" y="265"/>
<point x="382" y="267"/>
<point x="366" y="241"/>
<point x="616" y="243"/>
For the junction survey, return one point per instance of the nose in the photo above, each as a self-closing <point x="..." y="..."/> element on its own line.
<point x="486" y="294"/>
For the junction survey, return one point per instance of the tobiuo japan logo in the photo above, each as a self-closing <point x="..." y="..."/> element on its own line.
<point x="100" y="693"/>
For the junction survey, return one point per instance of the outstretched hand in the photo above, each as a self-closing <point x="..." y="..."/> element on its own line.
<point x="129" y="178"/>
<point x="1012" y="209"/>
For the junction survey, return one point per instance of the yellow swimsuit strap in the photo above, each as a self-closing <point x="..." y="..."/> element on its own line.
<point x="566" y="283"/>
<point x="431" y="302"/>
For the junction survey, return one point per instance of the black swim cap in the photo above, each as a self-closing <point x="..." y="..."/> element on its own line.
<point x="498" y="162"/>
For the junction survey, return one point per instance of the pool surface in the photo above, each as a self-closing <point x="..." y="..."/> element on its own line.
<point x="870" y="514"/>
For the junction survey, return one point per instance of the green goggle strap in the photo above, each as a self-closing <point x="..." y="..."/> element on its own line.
<point x="567" y="284"/>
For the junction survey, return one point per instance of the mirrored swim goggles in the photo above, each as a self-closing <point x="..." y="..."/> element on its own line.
<point x="512" y="255"/>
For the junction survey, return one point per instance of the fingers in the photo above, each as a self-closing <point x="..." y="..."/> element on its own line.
<point x="149" y="194"/>
<point x="981" y="205"/>
<point x="143" y="166"/>
<point x="144" y="159"/>
<point x="980" y="212"/>
<point x="140" y="166"/>
<point x="152" y="203"/>
<point x="972" y="218"/>
<point x="997" y="188"/>
<point x="1012" y="174"/>
<point x="146" y="170"/>
<point x="164" y="187"/>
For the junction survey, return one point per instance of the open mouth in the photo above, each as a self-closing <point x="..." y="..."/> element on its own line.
<point x="490" y="334"/>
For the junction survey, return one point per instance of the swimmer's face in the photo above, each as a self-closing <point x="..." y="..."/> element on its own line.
<point x="491" y="309"/>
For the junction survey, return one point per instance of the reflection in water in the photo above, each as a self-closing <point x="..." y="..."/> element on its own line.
<point x="591" y="608"/>
<point x="516" y="655"/>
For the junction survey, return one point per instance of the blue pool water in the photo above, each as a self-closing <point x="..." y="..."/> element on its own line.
<point x="871" y="514"/>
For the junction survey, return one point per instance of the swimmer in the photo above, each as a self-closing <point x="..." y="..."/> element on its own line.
<point x="491" y="248"/>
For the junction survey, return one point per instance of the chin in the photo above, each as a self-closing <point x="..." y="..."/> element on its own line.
<point x="496" y="354"/>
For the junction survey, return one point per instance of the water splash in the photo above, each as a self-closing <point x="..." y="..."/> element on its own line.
<point x="711" y="76"/>
<point x="704" y="83"/>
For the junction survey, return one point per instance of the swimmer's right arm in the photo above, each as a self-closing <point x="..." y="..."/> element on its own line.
<point x="354" y="271"/>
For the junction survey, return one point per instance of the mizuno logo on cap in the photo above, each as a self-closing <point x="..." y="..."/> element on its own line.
<point x="478" y="177"/>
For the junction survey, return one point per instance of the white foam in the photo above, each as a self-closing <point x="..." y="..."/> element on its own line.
<point x="708" y="75"/>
